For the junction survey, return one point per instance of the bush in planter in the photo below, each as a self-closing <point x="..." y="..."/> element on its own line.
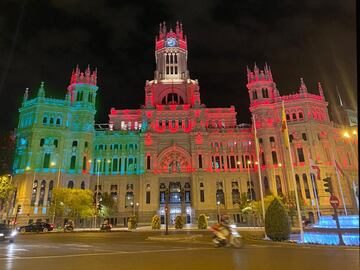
<point x="179" y="223"/>
<point x="155" y="222"/>
<point x="132" y="223"/>
<point x="277" y="226"/>
<point x="202" y="222"/>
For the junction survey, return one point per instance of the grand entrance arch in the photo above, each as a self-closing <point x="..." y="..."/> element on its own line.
<point x="174" y="165"/>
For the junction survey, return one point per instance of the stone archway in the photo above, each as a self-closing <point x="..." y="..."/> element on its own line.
<point x="174" y="160"/>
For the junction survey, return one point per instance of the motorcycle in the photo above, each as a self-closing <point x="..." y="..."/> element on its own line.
<point x="69" y="227"/>
<point x="226" y="236"/>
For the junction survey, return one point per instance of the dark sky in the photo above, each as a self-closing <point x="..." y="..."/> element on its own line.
<point x="43" y="40"/>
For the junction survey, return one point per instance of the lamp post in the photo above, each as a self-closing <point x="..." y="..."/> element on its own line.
<point x="97" y="190"/>
<point x="250" y="184"/>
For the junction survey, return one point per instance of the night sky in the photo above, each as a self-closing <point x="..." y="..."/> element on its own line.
<point x="44" y="40"/>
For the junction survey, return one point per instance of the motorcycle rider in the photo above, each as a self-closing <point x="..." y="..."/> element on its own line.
<point x="225" y="225"/>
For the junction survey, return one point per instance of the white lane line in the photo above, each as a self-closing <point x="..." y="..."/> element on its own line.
<point x="100" y="254"/>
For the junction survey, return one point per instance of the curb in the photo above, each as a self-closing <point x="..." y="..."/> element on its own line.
<point x="293" y="244"/>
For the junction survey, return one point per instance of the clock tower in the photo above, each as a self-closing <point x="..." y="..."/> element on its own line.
<point x="172" y="84"/>
<point x="171" y="54"/>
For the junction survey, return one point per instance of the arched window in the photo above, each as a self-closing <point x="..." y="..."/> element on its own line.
<point x="287" y="117"/>
<point x="294" y="116"/>
<point x="70" y="184"/>
<point x="56" y="143"/>
<point x="45" y="119"/>
<point x="251" y="194"/>
<point x="34" y="193"/>
<point x="201" y="185"/>
<point x="129" y="199"/>
<point x="51" y="186"/>
<point x="84" y="163"/>
<point x="82" y="186"/>
<point x="266" y="186"/>
<point x="278" y="185"/>
<point x="58" y="121"/>
<point x="220" y="198"/>
<point x="72" y="163"/>
<point x="301" y="116"/>
<point x="42" y="141"/>
<point x="42" y="193"/>
<point x="272" y="139"/>
<point x="74" y="144"/>
<point x="306" y="186"/>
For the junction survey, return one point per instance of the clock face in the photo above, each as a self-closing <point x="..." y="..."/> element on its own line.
<point x="170" y="42"/>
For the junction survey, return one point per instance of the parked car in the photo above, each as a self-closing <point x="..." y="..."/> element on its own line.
<point x="7" y="233"/>
<point x="36" y="227"/>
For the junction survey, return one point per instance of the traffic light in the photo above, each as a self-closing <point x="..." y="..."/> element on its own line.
<point x="328" y="185"/>
<point x="18" y="209"/>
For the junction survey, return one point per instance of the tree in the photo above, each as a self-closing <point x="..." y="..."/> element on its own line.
<point x="277" y="225"/>
<point x="72" y="203"/>
<point x="7" y="150"/>
<point x="202" y="222"/>
<point x="155" y="222"/>
<point x="132" y="222"/>
<point x="6" y="187"/>
<point x="108" y="206"/>
<point x="179" y="222"/>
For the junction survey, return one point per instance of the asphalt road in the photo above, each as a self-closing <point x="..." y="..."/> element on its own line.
<point x="132" y="251"/>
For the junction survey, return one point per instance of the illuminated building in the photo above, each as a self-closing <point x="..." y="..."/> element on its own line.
<point x="174" y="141"/>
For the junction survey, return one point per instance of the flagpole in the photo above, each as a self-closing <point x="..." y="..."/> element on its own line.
<point x="286" y="138"/>
<point x="259" y="171"/>
<point x="340" y="188"/>
<point x="315" y="194"/>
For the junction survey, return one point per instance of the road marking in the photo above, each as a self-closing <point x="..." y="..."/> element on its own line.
<point x="100" y="254"/>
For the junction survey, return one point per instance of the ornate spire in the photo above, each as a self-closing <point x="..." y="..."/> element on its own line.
<point x="84" y="77"/>
<point x="303" y="88"/>
<point x="321" y="92"/>
<point x="41" y="92"/>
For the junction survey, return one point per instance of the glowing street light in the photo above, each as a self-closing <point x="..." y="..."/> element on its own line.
<point x="346" y="134"/>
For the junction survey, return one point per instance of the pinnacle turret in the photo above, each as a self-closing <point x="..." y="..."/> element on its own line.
<point x="41" y="92"/>
<point x="302" y="88"/>
<point x="321" y="92"/>
<point x="26" y="94"/>
<point x="80" y="77"/>
<point x="259" y="74"/>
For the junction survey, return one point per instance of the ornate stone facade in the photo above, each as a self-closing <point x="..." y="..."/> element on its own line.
<point x="174" y="141"/>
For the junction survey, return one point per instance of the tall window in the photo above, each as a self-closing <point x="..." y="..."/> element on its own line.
<point x="82" y="186"/>
<point x="266" y="186"/>
<point x="42" y="193"/>
<point x="274" y="157"/>
<point x="46" y="163"/>
<point x="235" y="196"/>
<point x="255" y="95"/>
<point x="301" y="154"/>
<point x="51" y="186"/>
<point x="74" y="144"/>
<point x="298" y="185"/>
<point x="72" y="163"/>
<point x="129" y="199"/>
<point x="148" y="197"/>
<point x="34" y="193"/>
<point x="202" y="195"/>
<point x="278" y="185"/>
<point x="306" y="186"/>
<point x="200" y="162"/>
<point x="220" y="196"/>
<point x="148" y="162"/>
<point x="84" y="163"/>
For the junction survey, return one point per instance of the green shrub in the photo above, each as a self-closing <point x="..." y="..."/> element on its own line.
<point x="277" y="225"/>
<point x="179" y="223"/>
<point x="132" y="223"/>
<point x="155" y="222"/>
<point x="202" y="222"/>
